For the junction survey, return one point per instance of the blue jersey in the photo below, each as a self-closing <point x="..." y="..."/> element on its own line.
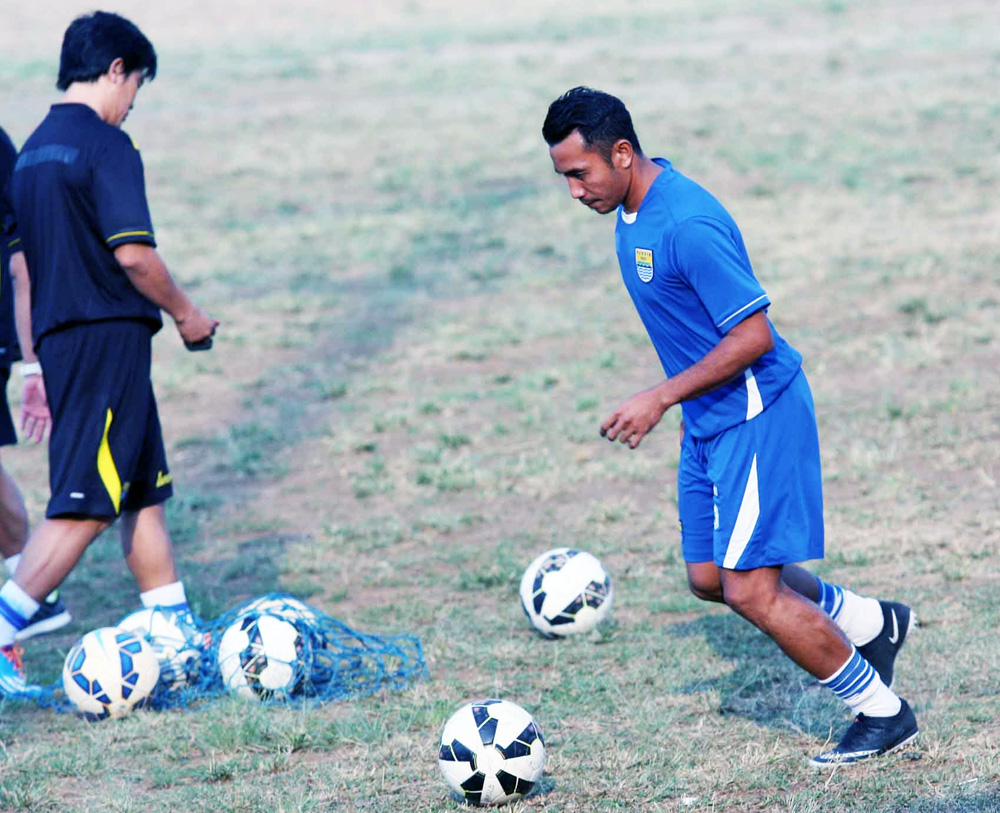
<point x="9" y="350"/>
<point x="684" y="263"/>
<point x="79" y="192"/>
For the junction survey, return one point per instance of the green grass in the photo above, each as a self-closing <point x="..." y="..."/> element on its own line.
<point x="422" y="332"/>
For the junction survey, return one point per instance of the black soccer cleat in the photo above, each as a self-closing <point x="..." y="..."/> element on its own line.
<point x="881" y="651"/>
<point x="870" y="737"/>
<point x="50" y="615"/>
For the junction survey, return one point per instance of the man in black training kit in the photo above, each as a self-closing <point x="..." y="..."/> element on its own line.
<point x="52" y="614"/>
<point x="749" y="486"/>
<point x="97" y="286"/>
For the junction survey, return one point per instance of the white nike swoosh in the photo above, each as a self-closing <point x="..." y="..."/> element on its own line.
<point x="895" y="628"/>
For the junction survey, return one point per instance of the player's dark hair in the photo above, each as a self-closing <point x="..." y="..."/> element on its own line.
<point x="93" y="41"/>
<point x="600" y="118"/>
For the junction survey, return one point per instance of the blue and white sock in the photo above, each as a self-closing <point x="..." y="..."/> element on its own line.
<point x="859" y="618"/>
<point x="16" y="607"/>
<point x="171" y="596"/>
<point x="858" y="684"/>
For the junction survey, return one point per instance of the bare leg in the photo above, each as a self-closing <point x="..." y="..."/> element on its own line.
<point x="706" y="584"/>
<point x="147" y="547"/>
<point x="52" y="552"/>
<point x="803" y="631"/>
<point x="13" y="516"/>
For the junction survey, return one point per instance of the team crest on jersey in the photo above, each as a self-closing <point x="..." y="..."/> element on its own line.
<point x="644" y="263"/>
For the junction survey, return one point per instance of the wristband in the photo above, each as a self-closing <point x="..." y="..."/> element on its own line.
<point x="30" y="368"/>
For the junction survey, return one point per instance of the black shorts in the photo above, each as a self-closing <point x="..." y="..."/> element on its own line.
<point x="8" y="435"/>
<point x="106" y="449"/>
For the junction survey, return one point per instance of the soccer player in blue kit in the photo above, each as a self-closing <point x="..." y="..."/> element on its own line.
<point x="97" y="286"/>
<point x="749" y="484"/>
<point x="52" y="613"/>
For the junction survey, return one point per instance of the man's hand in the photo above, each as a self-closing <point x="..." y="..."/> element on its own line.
<point x="35" y="415"/>
<point x="196" y="329"/>
<point x="635" y="419"/>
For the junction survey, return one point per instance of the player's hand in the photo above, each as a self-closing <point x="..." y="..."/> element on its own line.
<point x="635" y="419"/>
<point x="196" y="329"/>
<point x="35" y="415"/>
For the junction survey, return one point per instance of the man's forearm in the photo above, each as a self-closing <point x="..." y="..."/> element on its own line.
<point x="149" y="274"/>
<point x="22" y="306"/>
<point x="740" y="348"/>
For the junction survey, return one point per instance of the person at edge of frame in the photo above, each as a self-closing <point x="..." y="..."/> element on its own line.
<point x="89" y="309"/>
<point x="52" y="613"/>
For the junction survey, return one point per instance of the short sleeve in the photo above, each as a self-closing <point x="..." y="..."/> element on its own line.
<point x="716" y="266"/>
<point x="120" y="194"/>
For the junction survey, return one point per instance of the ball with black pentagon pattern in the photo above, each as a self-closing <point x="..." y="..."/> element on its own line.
<point x="492" y="752"/>
<point x="566" y="592"/>
<point x="264" y="657"/>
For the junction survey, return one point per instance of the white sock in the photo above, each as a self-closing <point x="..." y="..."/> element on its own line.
<point x="878" y="700"/>
<point x="859" y="617"/>
<point x="16" y="607"/>
<point x="168" y="595"/>
<point x="13" y="561"/>
<point x="858" y="684"/>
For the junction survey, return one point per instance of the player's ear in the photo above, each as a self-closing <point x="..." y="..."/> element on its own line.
<point x="116" y="71"/>
<point x="622" y="154"/>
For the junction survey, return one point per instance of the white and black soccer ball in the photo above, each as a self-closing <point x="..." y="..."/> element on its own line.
<point x="282" y="605"/>
<point x="175" y="641"/>
<point x="565" y="592"/>
<point x="108" y="672"/>
<point x="263" y="656"/>
<point x="492" y="752"/>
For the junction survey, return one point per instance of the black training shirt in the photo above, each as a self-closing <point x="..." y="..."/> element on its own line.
<point x="78" y="192"/>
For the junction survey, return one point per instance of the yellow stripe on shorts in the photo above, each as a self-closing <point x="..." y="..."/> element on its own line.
<point x="107" y="469"/>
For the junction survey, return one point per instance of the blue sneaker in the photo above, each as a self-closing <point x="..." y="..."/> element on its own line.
<point x="13" y="683"/>
<point x="881" y="651"/>
<point x="870" y="737"/>
<point x="50" y="616"/>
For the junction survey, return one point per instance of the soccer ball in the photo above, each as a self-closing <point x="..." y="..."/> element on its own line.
<point x="175" y="641"/>
<point x="281" y="605"/>
<point x="491" y="752"/>
<point x="565" y="592"/>
<point x="108" y="672"/>
<point x="263" y="656"/>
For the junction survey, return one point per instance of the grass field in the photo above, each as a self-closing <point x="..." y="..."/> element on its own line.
<point x="422" y="332"/>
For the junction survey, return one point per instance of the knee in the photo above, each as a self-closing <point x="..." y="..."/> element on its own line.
<point x="748" y="600"/>
<point x="703" y="582"/>
<point x="704" y="592"/>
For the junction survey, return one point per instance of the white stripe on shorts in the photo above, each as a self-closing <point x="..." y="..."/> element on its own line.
<point x="746" y="520"/>
<point x="754" y="403"/>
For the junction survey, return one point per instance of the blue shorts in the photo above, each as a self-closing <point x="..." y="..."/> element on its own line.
<point x="8" y="435"/>
<point x="106" y="450"/>
<point x="752" y="496"/>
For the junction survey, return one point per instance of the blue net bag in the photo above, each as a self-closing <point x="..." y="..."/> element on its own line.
<point x="273" y="648"/>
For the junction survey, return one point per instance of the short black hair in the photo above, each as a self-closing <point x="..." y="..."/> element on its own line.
<point x="601" y="118"/>
<point x="93" y="41"/>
